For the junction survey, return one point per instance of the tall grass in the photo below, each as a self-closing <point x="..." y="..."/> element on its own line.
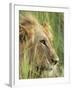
<point x="24" y="67"/>
<point x="56" y="21"/>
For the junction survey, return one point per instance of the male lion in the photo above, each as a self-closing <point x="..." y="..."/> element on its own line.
<point x="36" y="49"/>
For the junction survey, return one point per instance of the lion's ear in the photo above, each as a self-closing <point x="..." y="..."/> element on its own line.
<point x="26" y="29"/>
<point x="23" y="34"/>
<point x="48" y="30"/>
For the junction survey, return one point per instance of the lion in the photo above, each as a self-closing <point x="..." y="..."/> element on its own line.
<point x="36" y="40"/>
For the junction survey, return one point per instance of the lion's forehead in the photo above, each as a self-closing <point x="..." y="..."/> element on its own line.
<point x="39" y="33"/>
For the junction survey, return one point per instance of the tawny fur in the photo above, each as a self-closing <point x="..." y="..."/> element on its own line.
<point x="37" y="39"/>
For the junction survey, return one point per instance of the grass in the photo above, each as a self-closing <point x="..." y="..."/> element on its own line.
<point x="24" y="67"/>
<point x="56" y="21"/>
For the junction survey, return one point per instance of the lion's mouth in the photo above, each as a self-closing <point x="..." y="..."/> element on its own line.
<point x="51" y="64"/>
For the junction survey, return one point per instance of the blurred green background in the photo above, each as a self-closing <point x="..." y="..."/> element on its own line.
<point x="56" y="21"/>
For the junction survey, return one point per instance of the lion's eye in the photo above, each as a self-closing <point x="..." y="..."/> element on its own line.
<point x="43" y="41"/>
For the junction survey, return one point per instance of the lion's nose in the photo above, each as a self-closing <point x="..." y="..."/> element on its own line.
<point x="54" y="61"/>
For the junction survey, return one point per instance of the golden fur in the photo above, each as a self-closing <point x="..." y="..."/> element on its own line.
<point x="37" y="39"/>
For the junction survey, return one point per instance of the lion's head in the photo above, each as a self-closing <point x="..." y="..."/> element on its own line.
<point x="37" y="39"/>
